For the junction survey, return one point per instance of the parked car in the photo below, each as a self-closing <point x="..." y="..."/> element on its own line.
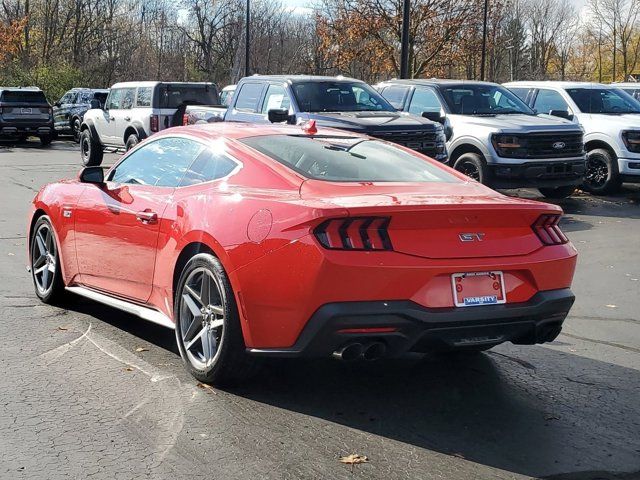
<point x="136" y="110"/>
<point x="338" y="102"/>
<point x="610" y="119"/>
<point x="632" y="88"/>
<point x="276" y="240"/>
<point x="70" y="109"/>
<point x="227" y="94"/>
<point x="495" y="138"/>
<point x="25" y="111"/>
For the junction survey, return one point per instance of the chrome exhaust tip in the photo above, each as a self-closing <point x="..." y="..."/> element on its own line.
<point x="348" y="352"/>
<point x="374" y="351"/>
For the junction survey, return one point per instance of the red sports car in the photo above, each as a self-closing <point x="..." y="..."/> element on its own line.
<point x="255" y="240"/>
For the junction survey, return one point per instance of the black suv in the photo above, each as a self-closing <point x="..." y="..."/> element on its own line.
<point x="24" y="112"/>
<point x="69" y="110"/>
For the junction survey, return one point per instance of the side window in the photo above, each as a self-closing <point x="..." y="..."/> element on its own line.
<point x="208" y="166"/>
<point x="143" y="97"/>
<point x="65" y="98"/>
<point x="424" y="100"/>
<point x="248" y="97"/>
<point x="276" y="97"/>
<point x="115" y="98"/>
<point x="128" y="96"/>
<point x="548" y="100"/>
<point x="162" y="163"/>
<point x="395" y="96"/>
<point x="521" y="92"/>
<point x="85" y="97"/>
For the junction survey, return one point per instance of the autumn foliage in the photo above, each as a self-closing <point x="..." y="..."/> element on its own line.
<point x="10" y="38"/>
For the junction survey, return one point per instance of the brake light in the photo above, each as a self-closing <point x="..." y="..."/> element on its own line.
<point x="547" y="230"/>
<point x="354" y="233"/>
<point x="185" y="119"/>
<point x="154" y="123"/>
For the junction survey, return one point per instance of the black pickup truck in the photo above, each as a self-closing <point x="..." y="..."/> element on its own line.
<point x="24" y="112"/>
<point x="336" y="102"/>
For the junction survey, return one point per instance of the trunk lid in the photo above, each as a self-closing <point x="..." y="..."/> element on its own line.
<point x="440" y="220"/>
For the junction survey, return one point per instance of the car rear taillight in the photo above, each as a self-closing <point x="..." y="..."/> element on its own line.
<point x="354" y="233"/>
<point x="154" y="123"/>
<point x="185" y="119"/>
<point x="547" y="230"/>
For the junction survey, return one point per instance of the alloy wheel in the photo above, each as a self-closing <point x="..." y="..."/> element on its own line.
<point x="202" y="307"/>
<point x="470" y="170"/>
<point x="44" y="259"/>
<point x="597" y="172"/>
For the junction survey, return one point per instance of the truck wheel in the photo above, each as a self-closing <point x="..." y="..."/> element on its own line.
<point x="558" y="192"/>
<point x="602" y="175"/>
<point x="90" y="149"/>
<point x="474" y="166"/>
<point x="75" y="130"/>
<point x="132" y="141"/>
<point x="45" y="140"/>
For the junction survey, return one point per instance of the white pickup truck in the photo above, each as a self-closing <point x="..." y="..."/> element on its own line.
<point x="610" y="118"/>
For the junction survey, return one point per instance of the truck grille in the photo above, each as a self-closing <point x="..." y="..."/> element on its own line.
<point x="423" y="142"/>
<point x="545" y="145"/>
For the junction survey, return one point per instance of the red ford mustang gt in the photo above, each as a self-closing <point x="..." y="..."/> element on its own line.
<point x="288" y="241"/>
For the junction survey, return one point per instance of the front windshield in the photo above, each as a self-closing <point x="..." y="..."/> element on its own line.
<point x="347" y="159"/>
<point x="479" y="99"/>
<point x="611" y="101"/>
<point x="339" y="97"/>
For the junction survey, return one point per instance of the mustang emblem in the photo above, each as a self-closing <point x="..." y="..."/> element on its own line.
<point x="471" y="237"/>
<point x="559" y="145"/>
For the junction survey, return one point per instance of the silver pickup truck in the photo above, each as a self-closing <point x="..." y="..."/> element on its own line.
<point x="494" y="137"/>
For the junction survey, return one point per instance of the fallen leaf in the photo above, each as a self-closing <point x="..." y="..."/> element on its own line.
<point x="128" y="369"/>
<point x="204" y="386"/>
<point x="354" y="459"/>
<point x="142" y="349"/>
<point x="572" y="350"/>
<point x="550" y="416"/>
<point x="611" y="306"/>
<point x="63" y="328"/>
<point x="11" y="254"/>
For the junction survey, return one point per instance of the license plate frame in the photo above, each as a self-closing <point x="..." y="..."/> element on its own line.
<point x="480" y="282"/>
<point x="26" y="111"/>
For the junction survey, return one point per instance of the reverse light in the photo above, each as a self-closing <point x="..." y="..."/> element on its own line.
<point x="547" y="230"/>
<point x="154" y="123"/>
<point x="354" y="233"/>
<point x="631" y="139"/>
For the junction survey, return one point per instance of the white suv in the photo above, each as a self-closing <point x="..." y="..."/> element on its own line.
<point x="135" y="110"/>
<point x="611" y="121"/>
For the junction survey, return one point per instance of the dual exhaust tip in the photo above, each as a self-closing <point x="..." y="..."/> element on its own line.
<point x="354" y="351"/>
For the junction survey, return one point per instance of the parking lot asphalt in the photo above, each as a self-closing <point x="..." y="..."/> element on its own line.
<point x="90" y="392"/>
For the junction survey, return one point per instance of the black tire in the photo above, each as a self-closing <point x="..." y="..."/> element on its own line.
<point x="90" y="149"/>
<point x="473" y="166"/>
<point x="54" y="290"/>
<point x="558" y="192"/>
<point x="230" y="364"/>
<point x="75" y="129"/>
<point x="132" y="141"/>
<point x="602" y="175"/>
<point x="45" y="140"/>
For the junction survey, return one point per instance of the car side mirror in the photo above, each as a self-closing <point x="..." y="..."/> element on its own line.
<point x="93" y="175"/>
<point x="434" y="117"/>
<point x="95" y="103"/>
<point x="278" y="115"/>
<point x="561" y="113"/>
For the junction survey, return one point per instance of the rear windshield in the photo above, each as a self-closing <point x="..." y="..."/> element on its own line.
<point x="172" y="96"/>
<point x="16" y="96"/>
<point x="339" y="97"/>
<point x="347" y="159"/>
<point x="604" y="100"/>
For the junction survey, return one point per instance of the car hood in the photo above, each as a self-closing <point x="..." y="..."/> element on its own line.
<point x="623" y="121"/>
<point x="517" y="123"/>
<point x="371" y="121"/>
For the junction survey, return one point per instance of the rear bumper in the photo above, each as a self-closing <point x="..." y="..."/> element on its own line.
<point x="548" y="173"/>
<point x="422" y="329"/>
<point x="10" y="129"/>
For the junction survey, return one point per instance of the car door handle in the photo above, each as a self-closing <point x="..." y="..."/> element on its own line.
<point x="147" y="217"/>
<point x="127" y="118"/>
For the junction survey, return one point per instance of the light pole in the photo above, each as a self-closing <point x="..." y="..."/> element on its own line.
<point x="484" y="40"/>
<point x="404" y="49"/>
<point x="246" y="41"/>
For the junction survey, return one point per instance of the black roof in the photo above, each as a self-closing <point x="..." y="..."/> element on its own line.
<point x="302" y="78"/>
<point x="434" y="82"/>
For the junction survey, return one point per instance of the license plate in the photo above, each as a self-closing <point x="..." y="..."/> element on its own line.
<point x="25" y="110"/>
<point x="478" y="288"/>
